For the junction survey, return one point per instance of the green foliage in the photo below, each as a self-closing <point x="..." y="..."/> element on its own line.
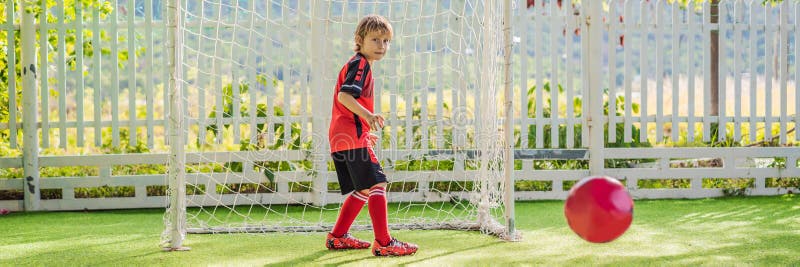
<point x="424" y="164"/>
<point x="663" y="183"/>
<point x="246" y="188"/>
<point x="533" y="186"/>
<point x="567" y="185"/>
<point x="124" y="146"/>
<point x="453" y="186"/>
<point x="105" y="192"/>
<point x="71" y="171"/>
<point x="730" y="186"/>
<point x="139" y="169"/>
<point x="6" y="151"/>
<point x="11" y="194"/>
<point x="49" y="193"/>
<point x="72" y="8"/>
<point x="401" y="187"/>
<point x="784" y="182"/>
<point x="161" y="190"/>
<point x="299" y="186"/>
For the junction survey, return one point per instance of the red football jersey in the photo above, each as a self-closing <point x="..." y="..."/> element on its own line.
<point x="348" y="130"/>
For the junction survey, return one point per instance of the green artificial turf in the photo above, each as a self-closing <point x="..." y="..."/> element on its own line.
<point x="717" y="232"/>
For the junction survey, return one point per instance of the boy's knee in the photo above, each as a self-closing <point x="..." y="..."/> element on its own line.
<point x="381" y="185"/>
<point x="378" y="185"/>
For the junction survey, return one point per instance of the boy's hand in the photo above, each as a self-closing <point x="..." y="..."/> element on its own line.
<point x="375" y="121"/>
<point x="373" y="139"/>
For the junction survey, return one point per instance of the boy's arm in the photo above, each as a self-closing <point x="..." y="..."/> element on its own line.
<point x="375" y="120"/>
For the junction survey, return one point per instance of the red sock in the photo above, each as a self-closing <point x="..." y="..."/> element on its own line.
<point x="350" y="208"/>
<point x="377" y="211"/>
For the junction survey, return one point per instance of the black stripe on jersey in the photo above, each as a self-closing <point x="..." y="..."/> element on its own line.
<point x="359" y="128"/>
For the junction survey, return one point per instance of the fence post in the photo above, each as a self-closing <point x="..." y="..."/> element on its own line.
<point x="593" y="44"/>
<point x="319" y="135"/>
<point x="30" y="151"/>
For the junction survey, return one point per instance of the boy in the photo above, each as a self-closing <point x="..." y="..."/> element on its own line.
<point x="357" y="168"/>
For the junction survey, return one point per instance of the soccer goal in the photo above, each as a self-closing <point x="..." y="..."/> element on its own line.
<point x="251" y="93"/>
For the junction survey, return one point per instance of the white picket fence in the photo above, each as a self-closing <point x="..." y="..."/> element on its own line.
<point x="662" y="67"/>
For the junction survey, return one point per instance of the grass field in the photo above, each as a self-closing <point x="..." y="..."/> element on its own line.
<point x="720" y="232"/>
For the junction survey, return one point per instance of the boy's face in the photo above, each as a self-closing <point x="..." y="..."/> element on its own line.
<point x="374" y="45"/>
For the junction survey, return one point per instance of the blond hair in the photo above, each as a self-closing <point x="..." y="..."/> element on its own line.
<point x="371" y="23"/>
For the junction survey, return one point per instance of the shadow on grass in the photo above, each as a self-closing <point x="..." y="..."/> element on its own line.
<point x="305" y="259"/>
<point x="365" y="257"/>
<point x="419" y="260"/>
<point x="117" y="260"/>
<point x="92" y="247"/>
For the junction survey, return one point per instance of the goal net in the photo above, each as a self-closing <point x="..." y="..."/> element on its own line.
<point x="252" y="96"/>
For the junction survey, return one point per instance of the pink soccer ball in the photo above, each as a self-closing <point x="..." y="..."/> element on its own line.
<point x="599" y="209"/>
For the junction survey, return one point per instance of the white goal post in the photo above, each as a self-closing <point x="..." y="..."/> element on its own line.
<point x="250" y="94"/>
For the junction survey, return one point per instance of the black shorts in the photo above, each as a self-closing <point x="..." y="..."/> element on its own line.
<point x="357" y="169"/>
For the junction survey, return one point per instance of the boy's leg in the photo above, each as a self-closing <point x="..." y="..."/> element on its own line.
<point x="384" y="245"/>
<point x="339" y="238"/>
<point x="379" y="214"/>
<point x="350" y="208"/>
<point x="369" y="179"/>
